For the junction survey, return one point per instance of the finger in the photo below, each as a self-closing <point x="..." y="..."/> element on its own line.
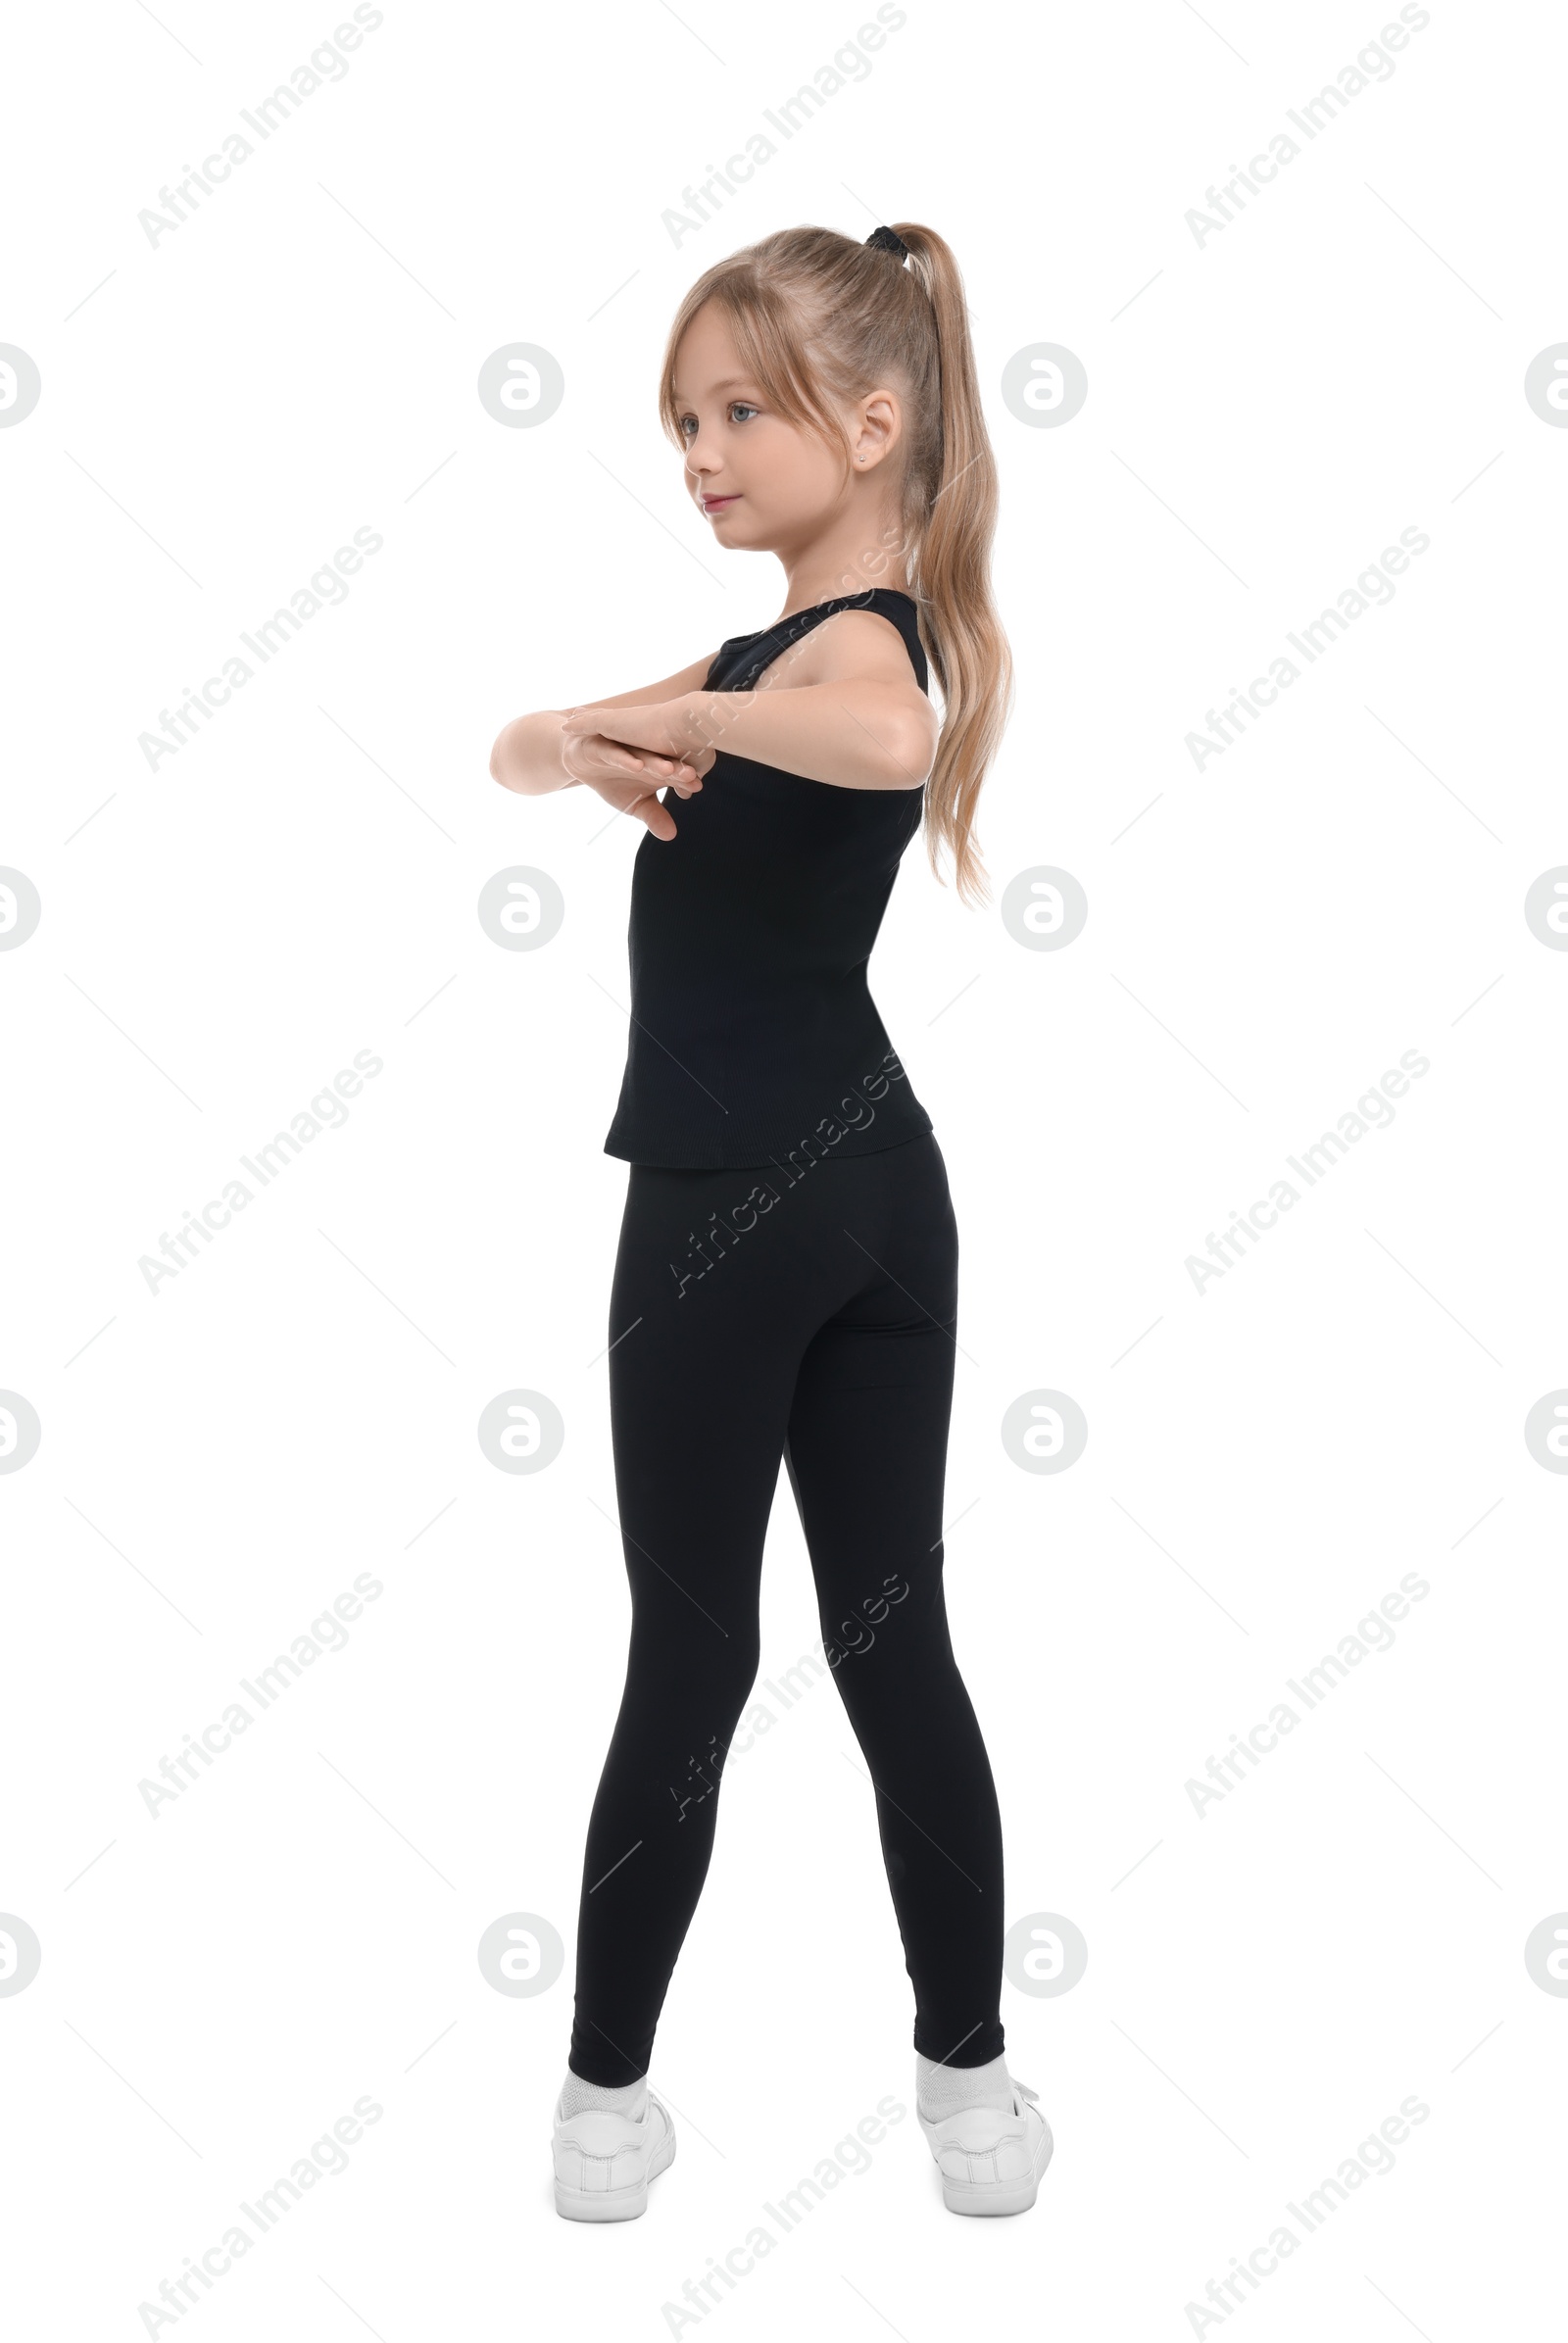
<point x="648" y="748"/>
<point x="620" y="760"/>
<point x="639" y="759"/>
<point x="653" y="761"/>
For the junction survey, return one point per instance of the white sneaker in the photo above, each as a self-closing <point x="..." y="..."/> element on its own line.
<point x="603" y="2162"/>
<point x="990" y="2162"/>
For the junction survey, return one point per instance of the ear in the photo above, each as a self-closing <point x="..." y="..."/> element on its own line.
<point x="878" y="429"/>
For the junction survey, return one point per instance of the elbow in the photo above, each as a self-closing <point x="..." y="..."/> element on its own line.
<point x="914" y="750"/>
<point x="527" y="757"/>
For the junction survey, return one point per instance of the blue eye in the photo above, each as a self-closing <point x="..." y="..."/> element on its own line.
<point x="738" y="411"/>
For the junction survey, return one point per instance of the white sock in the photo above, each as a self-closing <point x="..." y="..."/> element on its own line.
<point x="942" y="2090"/>
<point x="629" y="2099"/>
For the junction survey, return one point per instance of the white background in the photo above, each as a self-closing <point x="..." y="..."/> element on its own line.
<point x="1265" y="1460"/>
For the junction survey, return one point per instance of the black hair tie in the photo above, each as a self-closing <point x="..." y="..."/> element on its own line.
<point x="886" y="240"/>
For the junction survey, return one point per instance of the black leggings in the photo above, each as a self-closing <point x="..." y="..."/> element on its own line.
<point x="805" y="1311"/>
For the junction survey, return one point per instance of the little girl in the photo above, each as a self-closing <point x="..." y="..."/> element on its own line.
<point x="786" y="1281"/>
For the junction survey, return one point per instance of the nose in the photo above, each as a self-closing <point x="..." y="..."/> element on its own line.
<point x="701" y="462"/>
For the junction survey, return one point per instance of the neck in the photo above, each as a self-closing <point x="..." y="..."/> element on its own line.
<point x="866" y="548"/>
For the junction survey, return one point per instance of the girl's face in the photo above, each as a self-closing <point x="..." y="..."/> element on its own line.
<point x="763" y="482"/>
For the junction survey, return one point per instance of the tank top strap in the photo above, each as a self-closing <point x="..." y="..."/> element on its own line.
<point x="745" y="658"/>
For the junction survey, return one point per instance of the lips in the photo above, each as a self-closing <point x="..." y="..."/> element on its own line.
<point x="719" y="504"/>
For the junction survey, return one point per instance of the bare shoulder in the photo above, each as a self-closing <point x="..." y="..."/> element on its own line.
<point x="852" y="646"/>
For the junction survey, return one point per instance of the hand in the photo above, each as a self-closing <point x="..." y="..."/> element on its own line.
<point x="627" y="755"/>
<point x="675" y="729"/>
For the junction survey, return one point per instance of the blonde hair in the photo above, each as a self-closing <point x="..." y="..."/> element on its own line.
<point x="820" y="320"/>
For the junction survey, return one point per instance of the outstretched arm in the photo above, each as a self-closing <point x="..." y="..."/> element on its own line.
<point x="842" y="707"/>
<point x="857" y="735"/>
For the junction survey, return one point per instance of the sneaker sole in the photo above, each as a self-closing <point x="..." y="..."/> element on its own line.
<point x="613" y="2204"/>
<point x="999" y="2197"/>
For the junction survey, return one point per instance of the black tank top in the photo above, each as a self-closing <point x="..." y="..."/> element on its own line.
<point x="754" y="1036"/>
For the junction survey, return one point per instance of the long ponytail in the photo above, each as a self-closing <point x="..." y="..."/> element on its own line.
<point x="818" y="318"/>
<point x="953" y="566"/>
